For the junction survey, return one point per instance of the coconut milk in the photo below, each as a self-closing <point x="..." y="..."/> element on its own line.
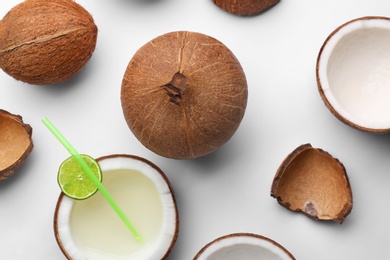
<point x="97" y="230"/>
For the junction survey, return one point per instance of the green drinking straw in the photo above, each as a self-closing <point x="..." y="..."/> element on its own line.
<point x="93" y="178"/>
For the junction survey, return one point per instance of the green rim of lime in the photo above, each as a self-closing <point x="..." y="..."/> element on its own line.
<point x="74" y="182"/>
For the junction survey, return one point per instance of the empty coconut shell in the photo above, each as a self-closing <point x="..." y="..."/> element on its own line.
<point x="15" y="143"/>
<point x="311" y="181"/>
<point x="245" y="7"/>
<point x="45" y="42"/>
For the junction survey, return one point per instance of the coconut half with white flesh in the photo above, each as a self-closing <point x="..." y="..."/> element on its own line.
<point x="90" y="229"/>
<point x="353" y="76"/>
<point x="246" y="246"/>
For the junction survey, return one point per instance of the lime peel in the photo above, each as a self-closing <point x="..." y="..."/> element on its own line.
<point x="73" y="180"/>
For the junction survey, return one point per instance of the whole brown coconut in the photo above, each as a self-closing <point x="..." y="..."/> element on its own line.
<point x="245" y="7"/>
<point x="184" y="94"/>
<point x="45" y="42"/>
<point x="15" y="143"/>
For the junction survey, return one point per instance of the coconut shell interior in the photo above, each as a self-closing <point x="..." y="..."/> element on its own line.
<point x="15" y="143"/>
<point x="245" y="7"/>
<point x="311" y="181"/>
<point x="356" y="47"/>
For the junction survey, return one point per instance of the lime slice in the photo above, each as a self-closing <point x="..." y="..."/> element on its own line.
<point x="74" y="182"/>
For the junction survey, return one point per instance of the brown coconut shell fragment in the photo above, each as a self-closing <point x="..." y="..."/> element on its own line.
<point x="15" y="143"/>
<point x="311" y="181"/>
<point x="184" y="94"/>
<point x="45" y="42"/>
<point x="245" y="7"/>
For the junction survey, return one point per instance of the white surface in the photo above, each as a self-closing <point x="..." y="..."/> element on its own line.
<point x="228" y="191"/>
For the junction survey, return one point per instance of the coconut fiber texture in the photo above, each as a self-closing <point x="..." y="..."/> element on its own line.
<point x="184" y="94"/>
<point x="245" y="7"/>
<point x="45" y="42"/>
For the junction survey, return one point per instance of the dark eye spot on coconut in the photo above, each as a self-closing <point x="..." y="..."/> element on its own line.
<point x="310" y="209"/>
<point x="175" y="88"/>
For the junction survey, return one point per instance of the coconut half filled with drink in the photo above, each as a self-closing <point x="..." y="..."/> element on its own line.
<point x="90" y="229"/>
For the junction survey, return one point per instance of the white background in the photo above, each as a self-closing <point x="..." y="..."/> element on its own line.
<point x="229" y="190"/>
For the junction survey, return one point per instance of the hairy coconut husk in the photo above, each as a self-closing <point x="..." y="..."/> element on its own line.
<point x="184" y="94"/>
<point x="245" y="7"/>
<point x="45" y="42"/>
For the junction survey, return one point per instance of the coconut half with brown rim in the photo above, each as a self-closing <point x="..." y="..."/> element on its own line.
<point x="246" y="246"/>
<point x="313" y="182"/>
<point x="353" y="76"/>
<point x="15" y="143"/>
<point x="90" y="229"/>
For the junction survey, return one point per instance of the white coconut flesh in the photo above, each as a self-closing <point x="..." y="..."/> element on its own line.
<point x="156" y="244"/>
<point x="244" y="246"/>
<point x="353" y="72"/>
